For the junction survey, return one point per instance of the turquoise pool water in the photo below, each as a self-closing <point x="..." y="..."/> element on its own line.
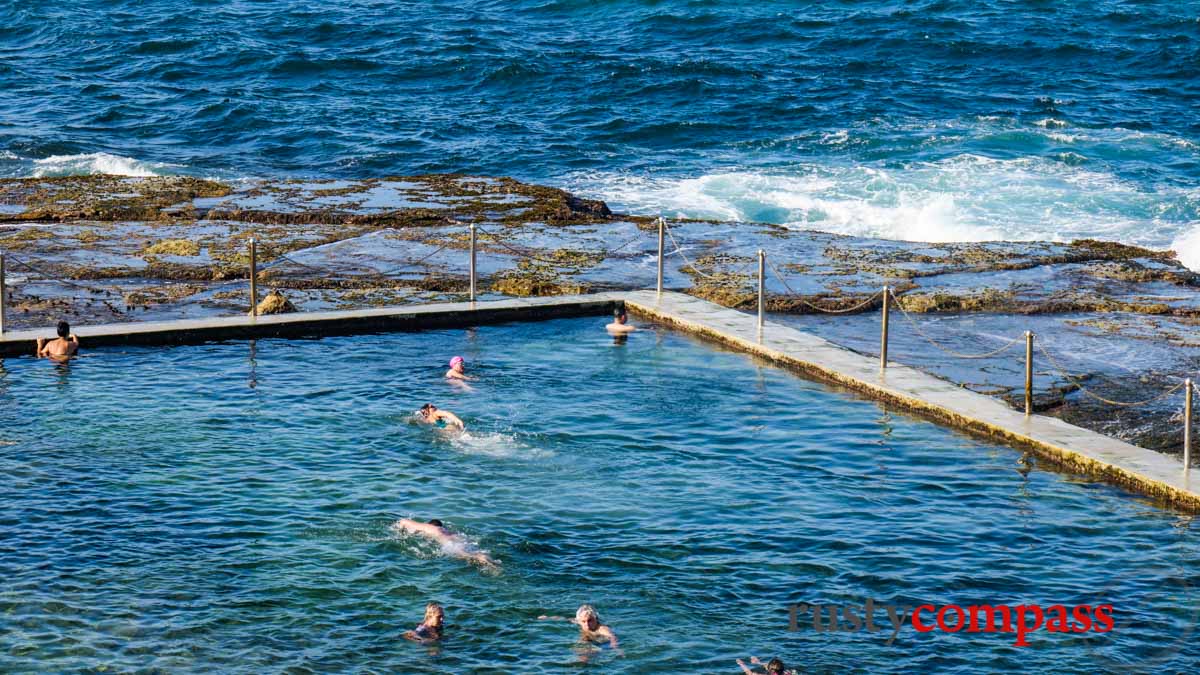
<point x="227" y="507"/>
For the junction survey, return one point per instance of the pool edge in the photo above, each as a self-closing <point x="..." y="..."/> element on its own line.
<point x="310" y="324"/>
<point x="1155" y="475"/>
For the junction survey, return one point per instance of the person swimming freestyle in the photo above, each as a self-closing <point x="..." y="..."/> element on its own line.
<point x="453" y="544"/>
<point x="442" y="419"/>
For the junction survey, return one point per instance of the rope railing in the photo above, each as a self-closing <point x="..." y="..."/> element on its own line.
<point x="956" y="354"/>
<point x="1041" y="343"/>
<point x="889" y="295"/>
<point x="842" y="310"/>
<point x="98" y="290"/>
<point x="283" y="257"/>
<point x="499" y="241"/>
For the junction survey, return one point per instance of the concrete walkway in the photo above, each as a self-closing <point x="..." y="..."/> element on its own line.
<point x="303" y="324"/>
<point x="1145" y="471"/>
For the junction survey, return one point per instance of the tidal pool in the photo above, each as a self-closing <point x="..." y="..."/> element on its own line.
<point x="226" y="507"/>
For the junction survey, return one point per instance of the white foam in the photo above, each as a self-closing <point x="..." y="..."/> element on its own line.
<point x="98" y="163"/>
<point x="1187" y="247"/>
<point x="966" y="197"/>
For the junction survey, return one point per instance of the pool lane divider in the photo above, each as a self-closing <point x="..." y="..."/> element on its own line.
<point x="318" y="324"/>
<point x="1155" y="475"/>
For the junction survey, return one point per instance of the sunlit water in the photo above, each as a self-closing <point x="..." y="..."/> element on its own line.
<point x="923" y="120"/>
<point x="226" y="507"/>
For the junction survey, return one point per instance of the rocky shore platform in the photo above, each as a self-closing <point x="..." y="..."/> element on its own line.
<point x="1114" y="323"/>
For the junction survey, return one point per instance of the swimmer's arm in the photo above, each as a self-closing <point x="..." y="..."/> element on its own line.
<point x="41" y="347"/>
<point x="451" y="418"/>
<point x="605" y="631"/>
<point x="746" y="669"/>
<point x="412" y="635"/>
<point x="412" y="526"/>
<point x="73" y="345"/>
<point x="546" y="617"/>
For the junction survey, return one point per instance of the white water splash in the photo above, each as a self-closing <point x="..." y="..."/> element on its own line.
<point x="98" y="163"/>
<point x="497" y="445"/>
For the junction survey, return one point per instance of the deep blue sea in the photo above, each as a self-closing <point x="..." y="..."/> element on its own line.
<point x="932" y="121"/>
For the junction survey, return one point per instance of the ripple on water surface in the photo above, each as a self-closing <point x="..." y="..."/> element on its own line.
<point x="228" y="506"/>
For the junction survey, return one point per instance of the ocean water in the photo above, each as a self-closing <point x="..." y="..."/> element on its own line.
<point x="227" y="507"/>
<point x="921" y="120"/>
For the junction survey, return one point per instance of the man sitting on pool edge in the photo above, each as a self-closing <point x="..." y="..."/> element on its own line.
<point x="618" y="326"/>
<point x="61" y="348"/>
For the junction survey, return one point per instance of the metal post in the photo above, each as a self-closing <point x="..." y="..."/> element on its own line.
<point x="472" y="262"/>
<point x="1187" y="425"/>
<point x="3" y="291"/>
<point x="884" y="322"/>
<point x="662" y="227"/>
<point x="253" y="277"/>
<point x="1028" y="372"/>
<point x="762" y="287"/>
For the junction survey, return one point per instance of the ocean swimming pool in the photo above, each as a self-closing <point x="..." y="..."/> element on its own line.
<point x="227" y="507"/>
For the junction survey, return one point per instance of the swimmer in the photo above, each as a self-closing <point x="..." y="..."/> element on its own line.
<point x="618" y="326"/>
<point x="590" y="627"/>
<point x="772" y="667"/>
<point x="431" y="627"/>
<point x="456" y="370"/>
<point x="61" y="348"/>
<point x="454" y="544"/>
<point x="440" y="418"/>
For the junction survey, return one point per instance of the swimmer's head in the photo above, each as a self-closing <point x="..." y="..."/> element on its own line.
<point x="434" y="615"/>
<point x="587" y="617"/>
<point x="64" y="329"/>
<point x="427" y="410"/>
<point x="436" y="523"/>
<point x="619" y="315"/>
<point x="775" y="666"/>
<point x="457" y="362"/>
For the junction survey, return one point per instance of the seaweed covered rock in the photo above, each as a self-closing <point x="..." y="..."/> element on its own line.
<point x="275" y="303"/>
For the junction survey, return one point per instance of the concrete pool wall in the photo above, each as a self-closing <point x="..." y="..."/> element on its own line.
<point x="1147" y="472"/>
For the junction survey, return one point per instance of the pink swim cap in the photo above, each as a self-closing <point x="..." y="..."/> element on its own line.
<point x="455" y="361"/>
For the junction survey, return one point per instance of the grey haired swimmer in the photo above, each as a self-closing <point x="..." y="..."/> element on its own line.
<point x="591" y="629"/>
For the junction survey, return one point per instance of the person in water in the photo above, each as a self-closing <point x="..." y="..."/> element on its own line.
<point x="440" y="418"/>
<point x="453" y="544"/>
<point x="591" y="629"/>
<point x="619" y="325"/>
<point x="431" y="628"/>
<point x="772" y="667"/>
<point x="456" y="372"/>
<point x="61" y="348"/>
